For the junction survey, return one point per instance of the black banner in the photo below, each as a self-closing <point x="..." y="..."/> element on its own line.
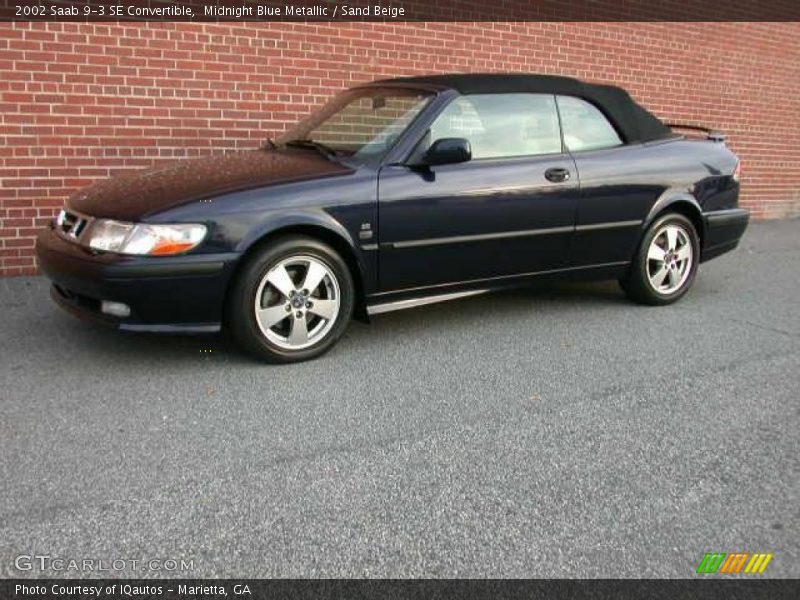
<point x="398" y="10"/>
<point x="255" y="589"/>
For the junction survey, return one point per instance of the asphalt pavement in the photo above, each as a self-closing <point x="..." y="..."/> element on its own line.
<point x="559" y="432"/>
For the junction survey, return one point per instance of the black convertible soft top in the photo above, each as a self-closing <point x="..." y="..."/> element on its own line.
<point x="633" y="122"/>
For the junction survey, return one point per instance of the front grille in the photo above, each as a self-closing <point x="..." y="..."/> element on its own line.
<point x="70" y="224"/>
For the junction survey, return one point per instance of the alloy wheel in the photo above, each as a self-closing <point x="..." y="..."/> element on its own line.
<point x="297" y="302"/>
<point x="669" y="259"/>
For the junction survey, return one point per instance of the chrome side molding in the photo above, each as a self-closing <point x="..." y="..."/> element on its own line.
<point x="377" y="309"/>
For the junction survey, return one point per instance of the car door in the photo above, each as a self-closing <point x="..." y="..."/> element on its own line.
<point x="618" y="185"/>
<point x="508" y="211"/>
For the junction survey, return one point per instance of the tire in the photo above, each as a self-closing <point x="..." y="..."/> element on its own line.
<point x="305" y="294"/>
<point x="659" y="273"/>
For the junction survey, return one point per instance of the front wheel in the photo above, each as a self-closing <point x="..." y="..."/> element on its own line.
<point x="291" y="301"/>
<point x="666" y="263"/>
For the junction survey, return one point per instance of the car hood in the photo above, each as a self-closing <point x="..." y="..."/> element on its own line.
<point x="134" y="195"/>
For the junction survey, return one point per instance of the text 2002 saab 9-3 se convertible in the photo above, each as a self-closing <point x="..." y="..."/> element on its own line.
<point x="399" y="193"/>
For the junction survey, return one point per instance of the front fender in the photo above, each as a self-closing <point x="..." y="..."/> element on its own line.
<point x="310" y="218"/>
<point x="318" y="223"/>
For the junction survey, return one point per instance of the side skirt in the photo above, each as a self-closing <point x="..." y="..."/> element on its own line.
<point x="384" y="302"/>
<point x="376" y="309"/>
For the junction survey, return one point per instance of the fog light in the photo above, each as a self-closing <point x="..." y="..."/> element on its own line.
<point x="116" y="309"/>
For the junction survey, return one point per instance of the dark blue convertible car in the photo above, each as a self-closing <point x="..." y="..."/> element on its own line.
<point x="399" y="193"/>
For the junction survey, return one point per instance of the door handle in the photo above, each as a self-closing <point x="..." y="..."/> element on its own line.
<point x="557" y="174"/>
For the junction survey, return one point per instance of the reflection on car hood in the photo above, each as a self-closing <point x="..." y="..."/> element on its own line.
<point x="134" y="195"/>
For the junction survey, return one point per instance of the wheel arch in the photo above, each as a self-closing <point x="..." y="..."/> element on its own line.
<point x="680" y="202"/>
<point x="325" y="229"/>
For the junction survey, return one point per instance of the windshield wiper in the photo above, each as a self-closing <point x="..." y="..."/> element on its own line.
<point x="269" y="143"/>
<point x="327" y="151"/>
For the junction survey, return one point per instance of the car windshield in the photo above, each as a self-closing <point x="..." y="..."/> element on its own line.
<point x="358" y="124"/>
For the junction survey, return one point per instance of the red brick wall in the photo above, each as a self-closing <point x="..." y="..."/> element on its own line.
<point x="83" y="101"/>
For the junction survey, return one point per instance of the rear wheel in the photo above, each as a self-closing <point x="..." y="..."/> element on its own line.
<point x="291" y="301"/>
<point x="666" y="263"/>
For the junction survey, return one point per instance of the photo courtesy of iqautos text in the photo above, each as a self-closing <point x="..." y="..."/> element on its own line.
<point x="399" y="299"/>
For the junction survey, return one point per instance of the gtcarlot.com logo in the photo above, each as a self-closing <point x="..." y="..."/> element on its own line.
<point x="45" y="562"/>
<point x="733" y="564"/>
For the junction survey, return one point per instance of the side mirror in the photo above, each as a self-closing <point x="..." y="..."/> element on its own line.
<point x="448" y="151"/>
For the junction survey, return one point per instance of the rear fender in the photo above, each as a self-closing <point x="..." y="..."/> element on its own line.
<point x="678" y="200"/>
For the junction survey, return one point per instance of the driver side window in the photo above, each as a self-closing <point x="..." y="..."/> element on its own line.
<point x="502" y="125"/>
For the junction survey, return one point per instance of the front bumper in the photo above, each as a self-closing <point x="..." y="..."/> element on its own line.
<point x="722" y="230"/>
<point x="180" y="293"/>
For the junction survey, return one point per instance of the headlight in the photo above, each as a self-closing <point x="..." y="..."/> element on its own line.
<point x="141" y="238"/>
<point x="108" y="235"/>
